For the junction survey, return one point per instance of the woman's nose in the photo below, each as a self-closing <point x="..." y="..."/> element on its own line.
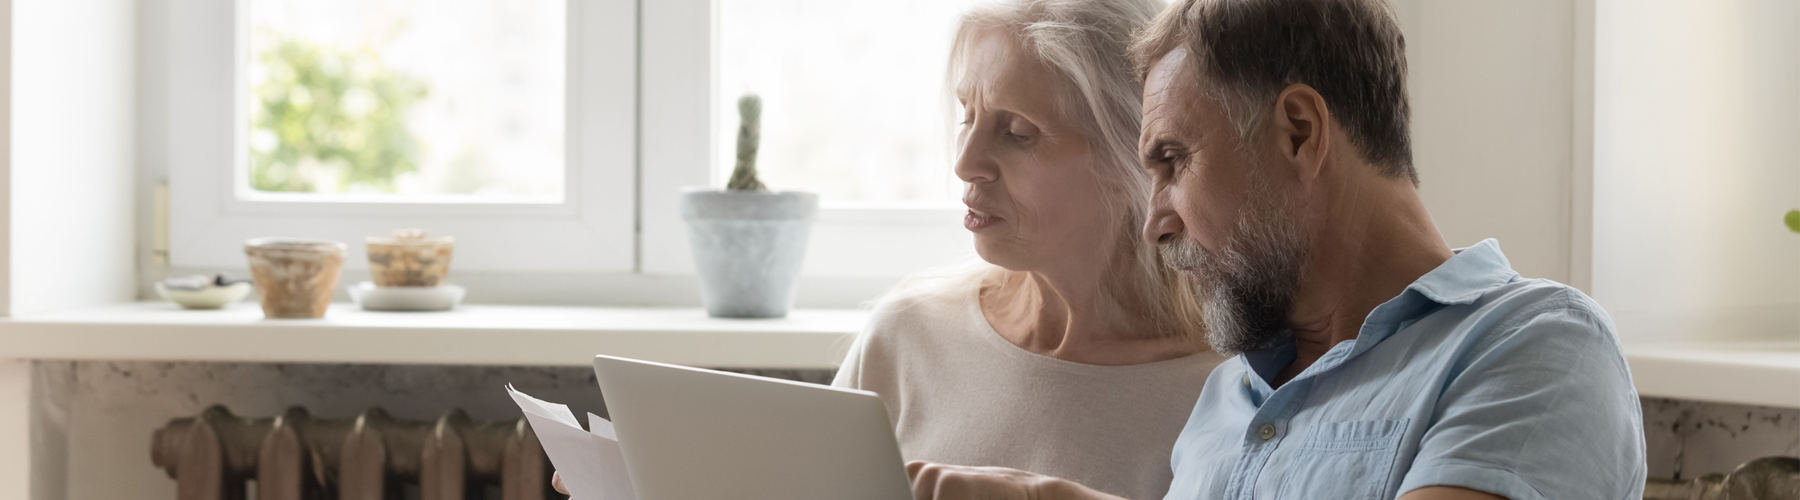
<point x="973" y="164"/>
<point x="1163" y="224"/>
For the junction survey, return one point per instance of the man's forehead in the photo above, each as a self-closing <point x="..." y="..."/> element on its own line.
<point x="1166" y="70"/>
<point x="1164" y="106"/>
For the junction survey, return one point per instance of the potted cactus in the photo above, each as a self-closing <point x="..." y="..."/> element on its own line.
<point x="748" y="241"/>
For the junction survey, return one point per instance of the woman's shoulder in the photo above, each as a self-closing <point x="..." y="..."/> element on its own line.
<point x="915" y="322"/>
<point x="924" y="306"/>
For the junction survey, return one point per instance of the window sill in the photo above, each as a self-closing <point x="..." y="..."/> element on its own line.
<point x="1763" y="373"/>
<point x="473" y="334"/>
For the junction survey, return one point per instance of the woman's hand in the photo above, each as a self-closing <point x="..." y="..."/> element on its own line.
<point x="956" y="482"/>
<point x="556" y="482"/>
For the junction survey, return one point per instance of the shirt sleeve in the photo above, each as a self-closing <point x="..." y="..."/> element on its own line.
<point x="1543" y="408"/>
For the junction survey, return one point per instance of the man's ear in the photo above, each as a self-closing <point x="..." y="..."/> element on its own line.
<point x="1303" y="126"/>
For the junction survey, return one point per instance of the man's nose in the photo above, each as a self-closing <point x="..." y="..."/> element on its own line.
<point x="1163" y="224"/>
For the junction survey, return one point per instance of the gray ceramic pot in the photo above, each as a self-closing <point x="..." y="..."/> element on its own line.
<point x="748" y="247"/>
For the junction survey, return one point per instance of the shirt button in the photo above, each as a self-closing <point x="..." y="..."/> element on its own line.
<point x="1267" y="432"/>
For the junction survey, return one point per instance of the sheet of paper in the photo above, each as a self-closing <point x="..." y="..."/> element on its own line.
<point x="612" y="469"/>
<point x="591" y="463"/>
<point x="602" y="427"/>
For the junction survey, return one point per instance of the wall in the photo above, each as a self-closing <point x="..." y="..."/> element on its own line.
<point x="15" y="429"/>
<point x="72" y="195"/>
<point x="1493" y="95"/>
<point x="15" y="376"/>
<point x="66" y="73"/>
<point x="1696" y="159"/>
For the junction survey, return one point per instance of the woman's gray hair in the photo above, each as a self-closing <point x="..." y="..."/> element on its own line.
<point x="1088" y="43"/>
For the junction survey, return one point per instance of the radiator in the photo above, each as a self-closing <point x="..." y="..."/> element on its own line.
<point x="217" y="455"/>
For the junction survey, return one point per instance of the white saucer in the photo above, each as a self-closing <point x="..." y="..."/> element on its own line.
<point x="406" y="298"/>
<point x="210" y="297"/>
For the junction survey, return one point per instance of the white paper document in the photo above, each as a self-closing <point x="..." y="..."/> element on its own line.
<point x="591" y="465"/>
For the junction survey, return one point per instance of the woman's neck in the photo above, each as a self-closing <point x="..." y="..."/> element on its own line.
<point x="1077" y="318"/>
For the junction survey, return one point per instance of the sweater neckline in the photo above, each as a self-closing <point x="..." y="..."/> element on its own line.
<point x="992" y="337"/>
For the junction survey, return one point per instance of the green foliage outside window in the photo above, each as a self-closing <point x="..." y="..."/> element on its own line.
<point x="323" y="114"/>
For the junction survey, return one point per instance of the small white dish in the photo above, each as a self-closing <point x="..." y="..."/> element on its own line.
<point x="210" y="297"/>
<point x="406" y="298"/>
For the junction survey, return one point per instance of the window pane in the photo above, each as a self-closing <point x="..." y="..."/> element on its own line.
<point x="853" y="95"/>
<point x="407" y="97"/>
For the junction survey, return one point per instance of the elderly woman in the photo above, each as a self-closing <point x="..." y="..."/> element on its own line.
<point x="1072" y="350"/>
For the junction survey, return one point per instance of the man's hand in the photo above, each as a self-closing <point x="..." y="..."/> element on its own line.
<point x="955" y="482"/>
<point x="556" y="482"/>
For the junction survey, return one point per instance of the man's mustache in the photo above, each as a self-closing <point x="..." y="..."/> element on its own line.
<point x="1183" y="254"/>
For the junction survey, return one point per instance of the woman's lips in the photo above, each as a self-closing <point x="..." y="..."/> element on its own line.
<point x="977" y="221"/>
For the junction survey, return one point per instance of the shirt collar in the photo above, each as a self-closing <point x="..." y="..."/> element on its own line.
<point x="1463" y="279"/>
<point x="1471" y="273"/>
<point x="1467" y="275"/>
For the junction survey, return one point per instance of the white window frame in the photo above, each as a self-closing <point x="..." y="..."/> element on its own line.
<point x="679" y="77"/>
<point x="641" y="83"/>
<point x="590" y="230"/>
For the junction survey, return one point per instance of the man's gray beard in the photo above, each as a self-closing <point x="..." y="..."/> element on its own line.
<point x="1246" y="288"/>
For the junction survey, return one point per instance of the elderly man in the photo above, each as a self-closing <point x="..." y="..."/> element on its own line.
<point x="1375" y="362"/>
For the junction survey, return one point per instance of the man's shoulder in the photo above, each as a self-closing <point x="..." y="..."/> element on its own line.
<point x="1522" y="302"/>
<point x="1537" y="294"/>
<point x="1535" y="321"/>
<point x="1518" y="321"/>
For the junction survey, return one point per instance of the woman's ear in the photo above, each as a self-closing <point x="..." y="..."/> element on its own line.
<point x="1302" y="124"/>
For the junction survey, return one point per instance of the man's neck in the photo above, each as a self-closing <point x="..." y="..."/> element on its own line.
<point x="1371" y="245"/>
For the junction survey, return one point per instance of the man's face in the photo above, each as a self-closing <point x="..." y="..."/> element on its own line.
<point x="1219" y="209"/>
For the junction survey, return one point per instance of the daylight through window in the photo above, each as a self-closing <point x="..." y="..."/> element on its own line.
<point x="853" y="95"/>
<point x="406" y="100"/>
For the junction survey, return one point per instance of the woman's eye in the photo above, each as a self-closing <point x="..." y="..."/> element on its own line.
<point x="1020" y="130"/>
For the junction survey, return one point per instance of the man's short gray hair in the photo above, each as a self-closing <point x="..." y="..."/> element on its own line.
<point x="1247" y="51"/>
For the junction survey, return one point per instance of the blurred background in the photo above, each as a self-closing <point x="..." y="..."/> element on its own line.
<point x="1644" y="151"/>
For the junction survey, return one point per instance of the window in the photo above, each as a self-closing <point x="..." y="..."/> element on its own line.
<point x="854" y="109"/>
<point x="509" y="124"/>
<point x="567" y="158"/>
<point x="450" y="100"/>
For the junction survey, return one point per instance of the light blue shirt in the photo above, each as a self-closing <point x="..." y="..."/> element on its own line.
<point x="1472" y="377"/>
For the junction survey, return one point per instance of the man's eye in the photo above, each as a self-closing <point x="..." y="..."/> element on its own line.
<point x="1163" y="158"/>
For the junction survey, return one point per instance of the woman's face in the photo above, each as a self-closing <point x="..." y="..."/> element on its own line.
<point x="1034" y="196"/>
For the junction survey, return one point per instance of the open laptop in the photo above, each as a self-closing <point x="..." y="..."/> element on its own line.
<point x="693" y="434"/>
